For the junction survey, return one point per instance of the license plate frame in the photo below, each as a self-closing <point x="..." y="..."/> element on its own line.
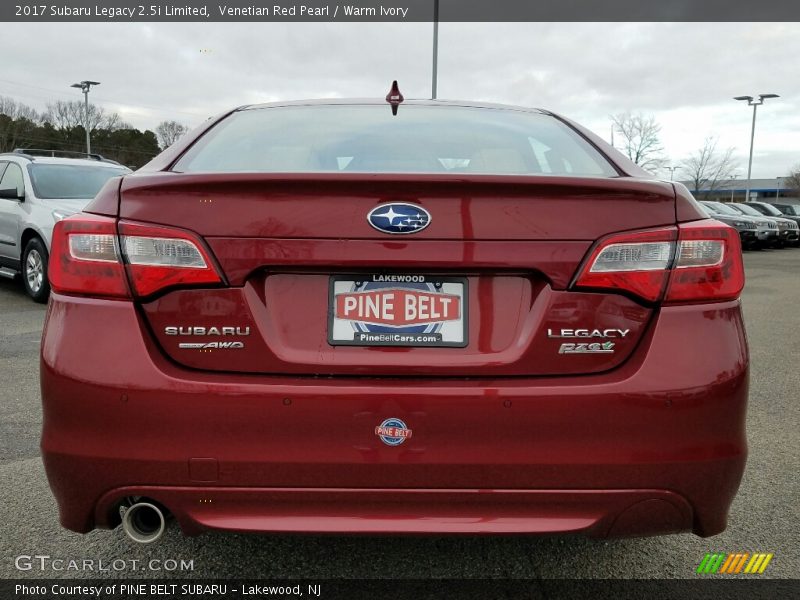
<point x="448" y="334"/>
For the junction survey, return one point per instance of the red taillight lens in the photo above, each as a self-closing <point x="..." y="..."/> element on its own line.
<point x="89" y="258"/>
<point x="159" y="257"/>
<point x="709" y="264"/>
<point x="84" y="258"/>
<point x="633" y="262"/>
<point x="698" y="261"/>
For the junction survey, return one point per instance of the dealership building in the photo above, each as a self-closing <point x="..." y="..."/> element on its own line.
<point x="766" y="190"/>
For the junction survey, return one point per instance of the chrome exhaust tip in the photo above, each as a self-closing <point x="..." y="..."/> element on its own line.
<point x="143" y="522"/>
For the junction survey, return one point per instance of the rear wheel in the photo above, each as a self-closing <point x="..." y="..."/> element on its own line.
<point x="34" y="270"/>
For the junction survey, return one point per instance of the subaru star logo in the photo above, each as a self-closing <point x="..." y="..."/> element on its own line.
<point x="399" y="217"/>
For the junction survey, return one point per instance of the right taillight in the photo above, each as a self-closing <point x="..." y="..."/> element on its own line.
<point x="91" y="255"/>
<point x="695" y="262"/>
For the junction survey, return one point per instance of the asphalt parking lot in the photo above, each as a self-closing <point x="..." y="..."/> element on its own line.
<point x="765" y="515"/>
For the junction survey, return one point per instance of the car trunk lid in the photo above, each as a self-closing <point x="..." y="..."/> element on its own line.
<point x="512" y="244"/>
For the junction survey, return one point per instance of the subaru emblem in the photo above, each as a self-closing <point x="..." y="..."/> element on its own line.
<point x="399" y="218"/>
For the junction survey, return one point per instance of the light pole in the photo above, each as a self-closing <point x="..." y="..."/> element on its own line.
<point x="434" y="73"/>
<point x="755" y="104"/>
<point x="733" y="186"/>
<point x="85" y="86"/>
<point x="778" y="190"/>
<point x="671" y="171"/>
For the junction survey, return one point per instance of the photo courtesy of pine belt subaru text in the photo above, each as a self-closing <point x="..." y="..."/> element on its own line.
<point x="394" y="317"/>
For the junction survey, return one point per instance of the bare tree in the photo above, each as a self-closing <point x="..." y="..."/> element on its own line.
<point x="640" y="138"/>
<point x="792" y="182"/>
<point x="17" y="122"/>
<point x="169" y="132"/>
<point x="709" y="169"/>
<point x="113" y="122"/>
<point x="17" y="110"/>
<point x="64" y="115"/>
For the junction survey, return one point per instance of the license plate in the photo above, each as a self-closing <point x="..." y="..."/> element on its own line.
<point x="397" y="310"/>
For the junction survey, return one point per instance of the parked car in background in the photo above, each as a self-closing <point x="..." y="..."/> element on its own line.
<point x="755" y="232"/>
<point x="767" y="209"/>
<point x="748" y="228"/>
<point x="38" y="189"/>
<point x="432" y="317"/>
<point x="787" y="228"/>
<point x="788" y="210"/>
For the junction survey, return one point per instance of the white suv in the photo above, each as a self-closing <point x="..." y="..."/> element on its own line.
<point x="35" y="192"/>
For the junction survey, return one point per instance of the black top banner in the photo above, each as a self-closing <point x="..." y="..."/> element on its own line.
<point x="398" y="10"/>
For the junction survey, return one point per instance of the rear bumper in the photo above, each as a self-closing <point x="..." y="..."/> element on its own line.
<point x="598" y="513"/>
<point x="655" y="446"/>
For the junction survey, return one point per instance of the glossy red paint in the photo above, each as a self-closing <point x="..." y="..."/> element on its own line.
<point x="334" y="206"/>
<point x="639" y="427"/>
<point x="286" y="313"/>
<point x="598" y="513"/>
<point x="552" y="261"/>
<point x="510" y="435"/>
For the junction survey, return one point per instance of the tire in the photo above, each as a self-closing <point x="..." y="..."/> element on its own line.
<point x="34" y="270"/>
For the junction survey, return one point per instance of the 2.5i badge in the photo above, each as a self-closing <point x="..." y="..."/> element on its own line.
<point x="594" y="348"/>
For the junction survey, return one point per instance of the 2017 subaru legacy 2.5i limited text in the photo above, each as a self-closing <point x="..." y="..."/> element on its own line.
<point x="422" y="317"/>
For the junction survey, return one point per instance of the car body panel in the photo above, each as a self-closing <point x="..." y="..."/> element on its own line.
<point x="334" y="206"/>
<point x="513" y="322"/>
<point x="638" y="427"/>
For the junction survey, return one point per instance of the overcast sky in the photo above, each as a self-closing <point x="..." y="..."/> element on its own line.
<point x="685" y="74"/>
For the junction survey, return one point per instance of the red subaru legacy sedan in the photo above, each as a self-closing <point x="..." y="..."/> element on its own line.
<point x="429" y="317"/>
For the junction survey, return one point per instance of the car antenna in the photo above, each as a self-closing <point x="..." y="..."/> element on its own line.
<point x="394" y="97"/>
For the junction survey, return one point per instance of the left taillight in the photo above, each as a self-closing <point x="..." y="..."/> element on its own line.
<point x="158" y="257"/>
<point x="85" y="258"/>
<point x="91" y="256"/>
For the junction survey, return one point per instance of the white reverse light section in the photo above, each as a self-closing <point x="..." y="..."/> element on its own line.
<point x="700" y="253"/>
<point x="643" y="256"/>
<point x="165" y="252"/>
<point x="93" y="246"/>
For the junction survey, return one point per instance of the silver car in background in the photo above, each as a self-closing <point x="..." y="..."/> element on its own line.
<point x="37" y="189"/>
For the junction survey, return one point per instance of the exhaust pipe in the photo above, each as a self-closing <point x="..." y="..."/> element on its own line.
<point x="143" y="522"/>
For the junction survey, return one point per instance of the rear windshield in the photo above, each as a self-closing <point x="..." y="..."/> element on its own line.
<point x="722" y="209"/>
<point x="770" y="210"/>
<point x="369" y="139"/>
<point x="790" y="209"/>
<point x="65" y="182"/>
<point x="748" y="210"/>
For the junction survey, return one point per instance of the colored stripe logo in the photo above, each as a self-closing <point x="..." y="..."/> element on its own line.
<point x="734" y="563"/>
